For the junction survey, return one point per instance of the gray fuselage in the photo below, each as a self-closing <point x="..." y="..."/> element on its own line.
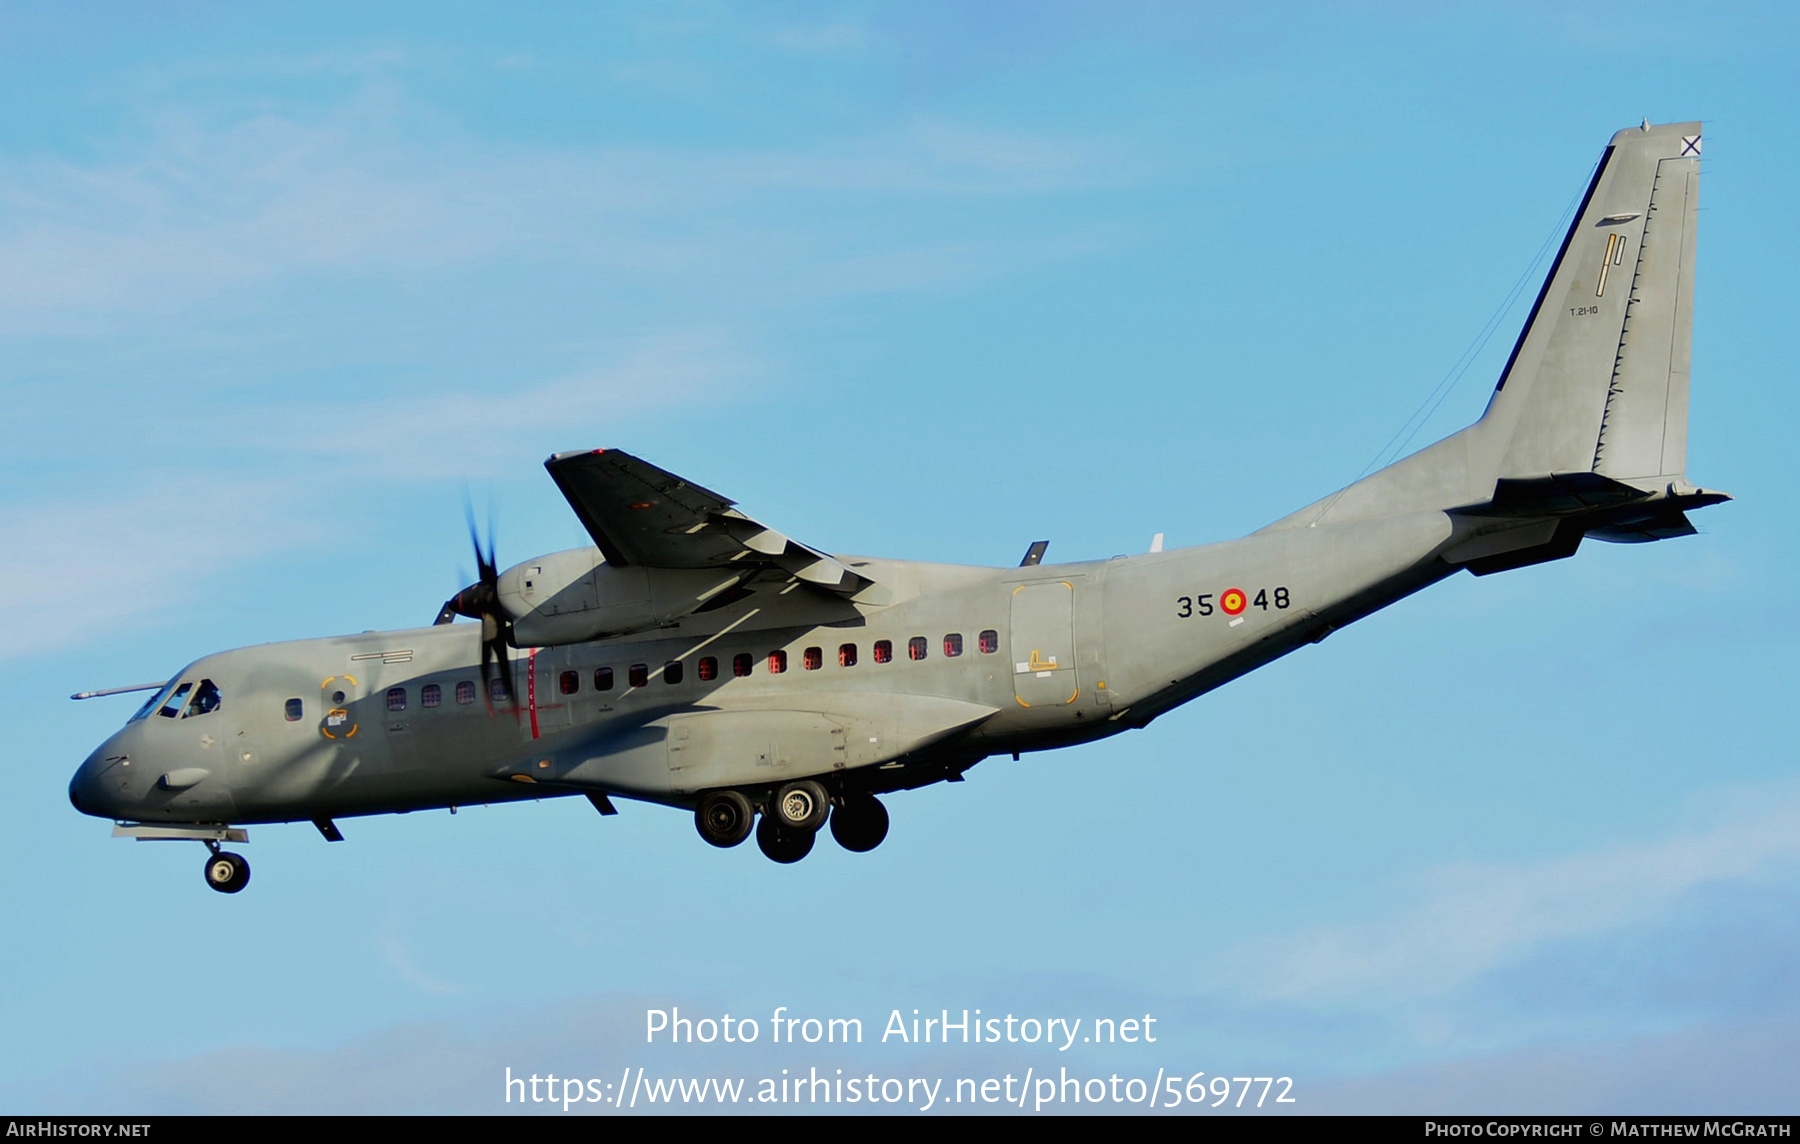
<point x="1078" y="651"/>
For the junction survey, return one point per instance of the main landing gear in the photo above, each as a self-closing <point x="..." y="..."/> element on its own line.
<point x="791" y="819"/>
<point x="860" y="823"/>
<point x="782" y="844"/>
<point x="226" y="872"/>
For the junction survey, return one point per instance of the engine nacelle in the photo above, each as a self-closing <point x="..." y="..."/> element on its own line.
<point x="573" y="596"/>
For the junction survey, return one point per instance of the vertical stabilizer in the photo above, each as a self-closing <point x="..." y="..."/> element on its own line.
<point x="1598" y="381"/>
<point x="1593" y="402"/>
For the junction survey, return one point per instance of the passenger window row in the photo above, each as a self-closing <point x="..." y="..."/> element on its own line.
<point x="706" y="668"/>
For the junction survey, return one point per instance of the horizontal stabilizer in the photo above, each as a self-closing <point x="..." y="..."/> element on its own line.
<point x="1555" y="495"/>
<point x="1546" y="517"/>
<point x="1664" y="525"/>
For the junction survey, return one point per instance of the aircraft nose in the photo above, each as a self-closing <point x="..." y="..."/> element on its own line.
<point x="89" y="790"/>
<point x="82" y="794"/>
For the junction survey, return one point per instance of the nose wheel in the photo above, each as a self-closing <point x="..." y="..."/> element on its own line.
<point x="227" y="872"/>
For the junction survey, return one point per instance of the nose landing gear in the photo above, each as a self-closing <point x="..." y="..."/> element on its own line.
<point x="226" y="872"/>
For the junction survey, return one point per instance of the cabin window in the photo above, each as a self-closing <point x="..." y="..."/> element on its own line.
<point x="777" y="662"/>
<point x="740" y="663"/>
<point x="603" y="680"/>
<point x="709" y="669"/>
<point x="814" y="658"/>
<point x="295" y="710"/>
<point x="884" y="651"/>
<point x="569" y="682"/>
<point x="465" y="692"/>
<point x="396" y="699"/>
<point x="497" y="689"/>
<point x="953" y="644"/>
<point x="639" y="675"/>
<point x="672" y="671"/>
<point x="206" y="700"/>
<point x="847" y="655"/>
<point x="915" y="647"/>
<point x="990" y="642"/>
<point x="430" y="695"/>
<point x="176" y="701"/>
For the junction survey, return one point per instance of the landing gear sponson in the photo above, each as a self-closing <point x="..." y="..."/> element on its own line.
<point x="791" y="818"/>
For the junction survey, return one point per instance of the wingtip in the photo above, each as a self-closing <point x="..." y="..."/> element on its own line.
<point x="556" y="457"/>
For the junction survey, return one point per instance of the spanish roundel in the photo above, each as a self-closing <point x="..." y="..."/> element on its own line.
<point x="1233" y="601"/>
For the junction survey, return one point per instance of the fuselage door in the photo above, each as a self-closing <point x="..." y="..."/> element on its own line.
<point x="1043" y="644"/>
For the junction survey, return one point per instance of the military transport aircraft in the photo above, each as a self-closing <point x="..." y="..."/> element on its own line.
<point x="697" y="658"/>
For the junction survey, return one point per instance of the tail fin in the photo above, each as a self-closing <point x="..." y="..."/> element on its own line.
<point x="1598" y="381"/>
<point x="1589" y="420"/>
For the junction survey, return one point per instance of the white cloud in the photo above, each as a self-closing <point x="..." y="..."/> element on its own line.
<point x="82" y="565"/>
<point x="1741" y="1068"/>
<point x="1473" y="919"/>
<point x="150" y="538"/>
<point x="460" y="434"/>
<point x="211" y="204"/>
<point x="399" y="956"/>
<point x="214" y="210"/>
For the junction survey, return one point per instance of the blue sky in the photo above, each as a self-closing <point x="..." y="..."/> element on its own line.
<point x="277" y="283"/>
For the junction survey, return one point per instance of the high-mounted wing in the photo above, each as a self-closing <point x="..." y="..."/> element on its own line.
<point x="641" y="515"/>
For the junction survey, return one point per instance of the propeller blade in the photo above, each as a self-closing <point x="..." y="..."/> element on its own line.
<point x="492" y="650"/>
<point x="481" y="601"/>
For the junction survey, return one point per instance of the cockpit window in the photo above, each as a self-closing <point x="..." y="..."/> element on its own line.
<point x="152" y="703"/>
<point x="172" y="706"/>
<point x="206" y="700"/>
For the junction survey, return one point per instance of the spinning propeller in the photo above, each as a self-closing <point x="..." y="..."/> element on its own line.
<point x="481" y="601"/>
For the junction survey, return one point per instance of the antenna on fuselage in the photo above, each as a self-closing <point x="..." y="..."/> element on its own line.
<point x="1035" y="554"/>
<point x="116" y="690"/>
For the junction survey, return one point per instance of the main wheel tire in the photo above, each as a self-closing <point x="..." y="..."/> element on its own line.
<point x="860" y="823"/>
<point x="800" y="806"/>
<point x="781" y="844"/>
<point x="227" y="872"/>
<point x="724" y="818"/>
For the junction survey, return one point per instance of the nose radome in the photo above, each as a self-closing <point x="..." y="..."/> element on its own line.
<point x="84" y="788"/>
<point x="95" y="788"/>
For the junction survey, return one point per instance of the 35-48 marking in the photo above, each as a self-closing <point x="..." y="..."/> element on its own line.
<point x="1232" y="602"/>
